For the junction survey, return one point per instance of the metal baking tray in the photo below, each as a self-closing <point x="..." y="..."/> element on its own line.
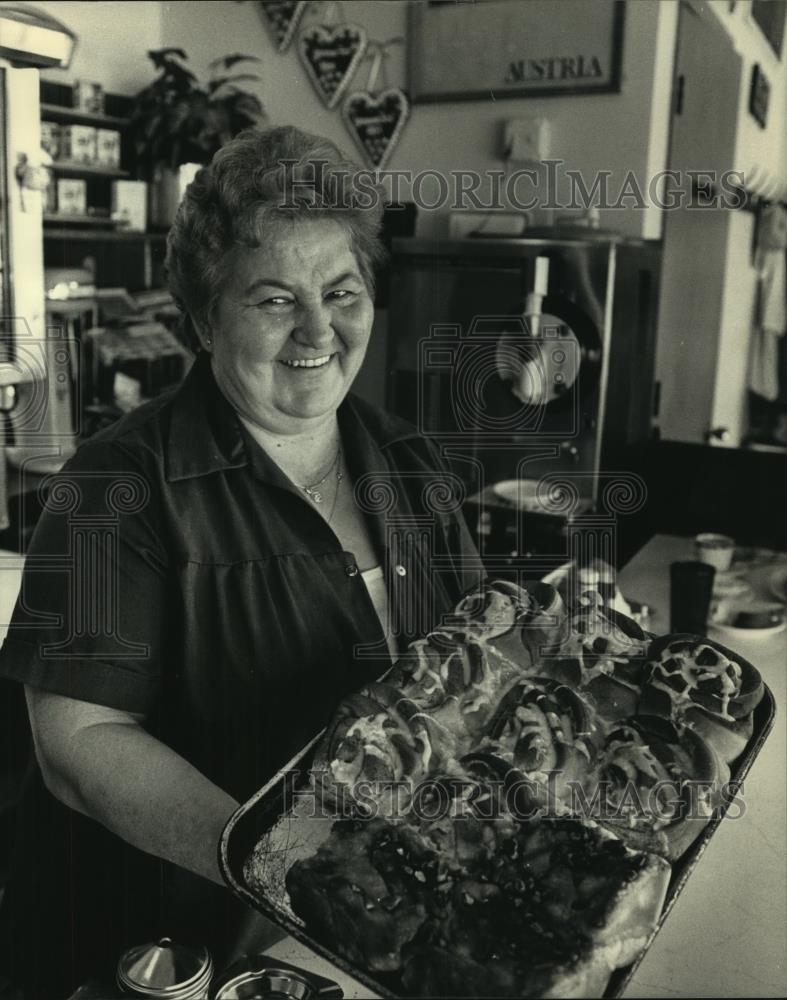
<point x="290" y="837"/>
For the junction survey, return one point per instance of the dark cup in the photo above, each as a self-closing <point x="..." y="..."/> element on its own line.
<point x="691" y="589"/>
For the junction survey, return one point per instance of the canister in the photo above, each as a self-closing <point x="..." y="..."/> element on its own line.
<point x="165" y="969"/>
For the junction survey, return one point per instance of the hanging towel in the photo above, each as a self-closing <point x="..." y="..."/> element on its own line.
<point x="770" y="319"/>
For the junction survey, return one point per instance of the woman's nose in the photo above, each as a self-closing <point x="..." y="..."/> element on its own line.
<point x="315" y="326"/>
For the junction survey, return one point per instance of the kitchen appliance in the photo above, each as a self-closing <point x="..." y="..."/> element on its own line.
<point x="526" y="360"/>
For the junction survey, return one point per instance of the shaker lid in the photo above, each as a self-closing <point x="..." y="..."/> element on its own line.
<point x="164" y="969"/>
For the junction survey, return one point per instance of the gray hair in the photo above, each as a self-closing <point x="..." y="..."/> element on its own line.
<point x="253" y="182"/>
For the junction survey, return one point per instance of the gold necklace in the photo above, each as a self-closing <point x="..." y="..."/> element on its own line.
<point x="313" y="492"/>
<point x="339" y="478"/>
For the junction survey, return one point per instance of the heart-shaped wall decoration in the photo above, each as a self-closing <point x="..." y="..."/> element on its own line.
<point x="376" y="121"/>
<point x="331" y="54"/>
<point x="282" y="17"/>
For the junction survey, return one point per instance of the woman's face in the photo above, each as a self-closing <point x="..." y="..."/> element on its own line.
<point x="291" y="327"/>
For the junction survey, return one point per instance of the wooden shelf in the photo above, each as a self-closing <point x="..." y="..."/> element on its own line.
<point x="99" y="235"/>
<point x="87" y="169"/>
<point x="60" y="113"/>
<point x="98" y="221"/>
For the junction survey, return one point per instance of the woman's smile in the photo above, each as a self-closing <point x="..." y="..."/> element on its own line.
<point x="308" y="363"/>
<point x="291" y="329"/>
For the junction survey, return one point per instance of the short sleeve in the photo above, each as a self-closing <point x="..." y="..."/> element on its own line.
<point x="89" y="622"/>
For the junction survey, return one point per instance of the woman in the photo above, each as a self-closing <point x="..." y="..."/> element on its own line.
<point x="260" y="543"/>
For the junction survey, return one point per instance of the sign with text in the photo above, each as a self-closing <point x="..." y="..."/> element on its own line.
<point x="488" y="49"/>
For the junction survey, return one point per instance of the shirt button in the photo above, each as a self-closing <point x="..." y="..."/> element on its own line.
<point x="400" y="570"/>
<point x="351" y="570"/>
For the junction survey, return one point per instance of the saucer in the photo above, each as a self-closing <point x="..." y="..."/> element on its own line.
<point x="777" y="584"/>
<point x="733" y="632"/>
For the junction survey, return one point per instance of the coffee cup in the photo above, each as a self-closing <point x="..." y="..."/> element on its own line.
<point x="716" y="550"/>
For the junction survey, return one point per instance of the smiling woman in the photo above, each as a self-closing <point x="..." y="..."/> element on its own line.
<point x="241" y="565"/>
<point x="292" y="327"/>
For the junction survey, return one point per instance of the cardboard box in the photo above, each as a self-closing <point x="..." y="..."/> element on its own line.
<point x="71" y="197"/>
<point x="50" y="196"/>
<point x="78" y="143"/>
<point x="130" y="205"/>
<point x="88" y="96"/>
<point x="50" y="138"/>
<point x="108" y="147"/>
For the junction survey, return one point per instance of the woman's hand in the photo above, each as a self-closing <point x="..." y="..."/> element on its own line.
<point x="102" y="762"/>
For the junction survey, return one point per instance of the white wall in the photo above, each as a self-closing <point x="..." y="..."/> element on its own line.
<point x="616" y="132"/>
<point x="761" y="153"/>
<point x="112" y="41"/>
<point x="709" y="284"/>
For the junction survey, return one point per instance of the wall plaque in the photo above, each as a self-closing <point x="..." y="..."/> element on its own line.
<point x="488" y="49"/>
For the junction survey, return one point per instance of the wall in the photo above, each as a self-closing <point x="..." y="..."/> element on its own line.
<point x="112" y="41"/>
<point x="761" y="155"/>
<point x="617" y="132"/>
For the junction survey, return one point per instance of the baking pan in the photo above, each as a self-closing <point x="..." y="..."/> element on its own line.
<point x="273" y="813"/>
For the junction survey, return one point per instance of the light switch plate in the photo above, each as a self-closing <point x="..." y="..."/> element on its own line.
<point x="525" y="140"/>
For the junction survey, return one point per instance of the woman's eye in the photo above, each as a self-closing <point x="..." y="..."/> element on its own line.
<point x="274" y="300"/>
<point x="341" y="294"/>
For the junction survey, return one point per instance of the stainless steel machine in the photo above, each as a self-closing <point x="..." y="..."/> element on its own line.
<point x="530" y="362"/>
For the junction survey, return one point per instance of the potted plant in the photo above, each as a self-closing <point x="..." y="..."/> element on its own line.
<point x="177" y="121"/>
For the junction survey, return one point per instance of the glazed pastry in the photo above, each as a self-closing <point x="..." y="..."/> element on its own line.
<point x="457" y="679"/>
<point x="522" y="626"/>
<point x="563" y="910"/>
<point x="605" y="658"/>
<point x="433" y="706"/>
<point x="543" y="729"/>
<point x="655" y="787"/>
<point x="360" y="892"/>
<point x="699" y="683"/>
<point x="489" y="612"/>
<point x="529" y="909"/>
<point x="378" y="746"/>
<point x="535" y="771"/>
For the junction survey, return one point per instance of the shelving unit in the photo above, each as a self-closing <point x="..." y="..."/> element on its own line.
<point x="82" y="220"/>
<point x="101" y="235"/>
<point x="119" y="256"/>
<point x="73" y="116"/>
<point x="87" y="169"/>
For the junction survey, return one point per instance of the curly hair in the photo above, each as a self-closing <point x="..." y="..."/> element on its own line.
<point x="256" y="180"/>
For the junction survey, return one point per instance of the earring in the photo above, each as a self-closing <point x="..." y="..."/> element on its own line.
<point x="208" y="341"/>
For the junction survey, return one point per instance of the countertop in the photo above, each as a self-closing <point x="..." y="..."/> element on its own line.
<point x="727" y="933"/>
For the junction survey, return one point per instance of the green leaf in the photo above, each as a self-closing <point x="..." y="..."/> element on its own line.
<point x="214" y="85"/>
<point x="176" y="119"/>
<point x="227" y="62"/>
<point x="161" y="57"/>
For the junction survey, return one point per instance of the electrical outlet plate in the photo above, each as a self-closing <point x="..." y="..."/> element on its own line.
<point x="526" y="140"/>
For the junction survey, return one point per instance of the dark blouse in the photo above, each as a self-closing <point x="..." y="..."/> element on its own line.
<point x="177" y="573"/>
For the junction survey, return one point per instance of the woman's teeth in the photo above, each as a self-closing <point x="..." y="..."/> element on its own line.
<point x="309" y="362"/>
